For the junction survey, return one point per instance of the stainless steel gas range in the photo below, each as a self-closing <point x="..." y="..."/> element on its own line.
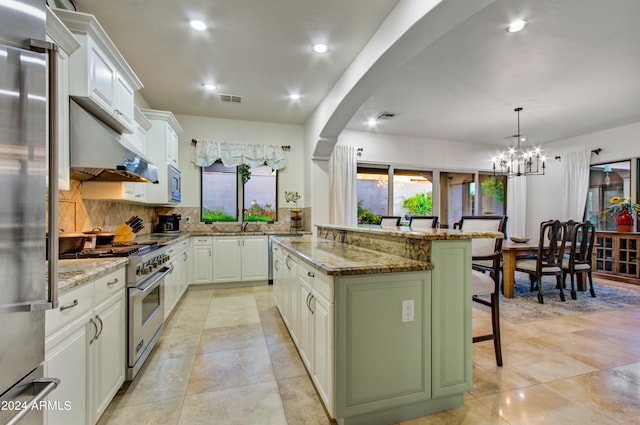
<point x="147" y="268"/>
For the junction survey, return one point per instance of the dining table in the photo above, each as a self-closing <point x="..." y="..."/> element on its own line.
<point x="510" y="251"/>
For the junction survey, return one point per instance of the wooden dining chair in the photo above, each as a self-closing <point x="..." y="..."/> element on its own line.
<point x="486" y="256"/>
<point x="582" y="237"/>
<point x="390" y="220"/>
<point x="548" y="259"/>
<point x="423" y="222"/>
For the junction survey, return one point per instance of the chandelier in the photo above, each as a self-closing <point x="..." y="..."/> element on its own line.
<point x="517" y="161"/>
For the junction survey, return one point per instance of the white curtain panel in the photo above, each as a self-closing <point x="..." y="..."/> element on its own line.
<point x="575" y="184"/>
<point x="517" y="207"/>
<point x="343" y="199"/>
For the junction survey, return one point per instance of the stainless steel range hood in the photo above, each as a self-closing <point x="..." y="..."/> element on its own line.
<point x="99" y="154"/>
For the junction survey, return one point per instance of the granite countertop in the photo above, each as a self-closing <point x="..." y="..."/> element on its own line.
<point x="407" y="232"/>
<point x="170" y="239"/>
<point x="74" y="273"/>
<point x="340" y="259"/>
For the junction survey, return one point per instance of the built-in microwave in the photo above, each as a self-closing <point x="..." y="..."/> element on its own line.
<point x="176" y="184"/>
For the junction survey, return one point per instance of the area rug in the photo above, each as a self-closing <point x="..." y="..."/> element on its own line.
<point x="524" y="307"/>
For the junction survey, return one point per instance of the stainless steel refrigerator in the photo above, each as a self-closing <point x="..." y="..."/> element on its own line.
<point x="25" y="292"/>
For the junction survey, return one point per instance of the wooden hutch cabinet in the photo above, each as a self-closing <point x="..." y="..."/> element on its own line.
<point x="616" y="256"/>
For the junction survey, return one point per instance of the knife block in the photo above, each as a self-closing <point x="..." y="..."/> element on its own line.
<point x="124" y="234"/>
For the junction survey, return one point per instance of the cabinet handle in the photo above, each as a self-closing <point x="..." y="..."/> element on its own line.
<point x="307" y="301"/>
<point x="286" y="262"/>
<point x="311" y="274"/>
<point x="95" y="326"/>
<point x="68" y="306"/>
<point x="185" y="258"/>
<point x="311" y="298"/>
<point x="113" y="282"/>
<point x="101" y="326"/>
<point x="209" y="252"/>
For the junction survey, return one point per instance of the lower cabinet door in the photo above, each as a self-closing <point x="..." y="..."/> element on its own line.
<point x="305" y="331"/>
<point x="323" y="349"/>
<point x="227" y="259"/>
<point x="68" y="361"/>
<point x="109" y="352"/>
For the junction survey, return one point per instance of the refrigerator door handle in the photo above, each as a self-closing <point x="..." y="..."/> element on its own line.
<point x="50" y="384"/>
<point x="52" y="59"/>
<point x="26" y="306"/>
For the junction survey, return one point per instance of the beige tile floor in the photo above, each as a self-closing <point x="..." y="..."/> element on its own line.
<point x="226" y="358"/>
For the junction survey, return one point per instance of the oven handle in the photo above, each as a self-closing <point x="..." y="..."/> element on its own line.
<point x="150" y="287"/>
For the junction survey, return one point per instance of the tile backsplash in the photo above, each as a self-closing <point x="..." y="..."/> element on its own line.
<point x="77" y="215"/>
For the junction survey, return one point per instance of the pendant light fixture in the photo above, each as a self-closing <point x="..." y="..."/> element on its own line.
<point x="517" y="161"/>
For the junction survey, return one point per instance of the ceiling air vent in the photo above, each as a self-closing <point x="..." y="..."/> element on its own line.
<point x="230" y="98"/>
<point x="386" y="115"/>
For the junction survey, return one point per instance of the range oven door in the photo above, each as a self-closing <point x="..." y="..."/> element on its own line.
<point x="146" y="317"/>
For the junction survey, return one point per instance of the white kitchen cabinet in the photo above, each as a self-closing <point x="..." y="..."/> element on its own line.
<point x="316" y="328"/>
<point x="58" y="33"/>
<point x="172" y="147"/>
<point x="85" y="346"/>
<point x="254" y="258"/>
<point x="305" y="329"/>
<point x="115" y="191"/>
<point x="175" y="283"/>
<point x="123" y="103"/>
<point x="323" y="349"/>
<point x="137" y="141"/>
<point x="66" y="357"/>
<point x="202" y="259"/>
<point x="109" y="352"/>
<point x="100" y="78"/>
<point x="162" y="150"/>
<point x="240" y="258"/>
<point x="227" y="259"/>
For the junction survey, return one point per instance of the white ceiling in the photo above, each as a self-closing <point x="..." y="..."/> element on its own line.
<point x="257" y="49"/>
<point x="575" y="69"/>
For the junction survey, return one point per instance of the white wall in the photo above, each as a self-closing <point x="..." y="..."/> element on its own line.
<point x="544" y="193"/>
<point x="290" y="178"/>
<point x="419" y="152"/>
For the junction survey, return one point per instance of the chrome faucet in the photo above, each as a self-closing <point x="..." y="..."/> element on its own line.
<point x="244" y="226"/>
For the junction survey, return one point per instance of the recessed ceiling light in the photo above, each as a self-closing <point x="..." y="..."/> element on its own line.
<point x="197" y="25"/>
<point x="294" y="96"/>
<point x="209" y="86"/>
<point x="518" y="25"/>
<point x="372" y="122"/>
<point x="320" y="47"/>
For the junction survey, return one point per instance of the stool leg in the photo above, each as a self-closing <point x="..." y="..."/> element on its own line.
<point x="495" y="323"/>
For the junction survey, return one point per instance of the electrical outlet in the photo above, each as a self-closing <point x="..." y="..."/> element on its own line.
<point x="187" y="220"/>
<point x="408" y="312"/>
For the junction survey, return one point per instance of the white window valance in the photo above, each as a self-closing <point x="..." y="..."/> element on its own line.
<point x="233" y="154"/>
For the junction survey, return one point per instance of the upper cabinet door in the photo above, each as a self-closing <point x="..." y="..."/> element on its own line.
<point x="102" y="79"/>
<point x="123" y="106"/>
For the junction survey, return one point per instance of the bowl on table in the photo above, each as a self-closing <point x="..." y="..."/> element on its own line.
<point x="521" y="239"/>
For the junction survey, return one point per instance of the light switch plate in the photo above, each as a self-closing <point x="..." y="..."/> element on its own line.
<point x="408" y="313"/>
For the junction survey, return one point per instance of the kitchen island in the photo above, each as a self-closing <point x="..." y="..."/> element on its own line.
<point x="381" y="317"/>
